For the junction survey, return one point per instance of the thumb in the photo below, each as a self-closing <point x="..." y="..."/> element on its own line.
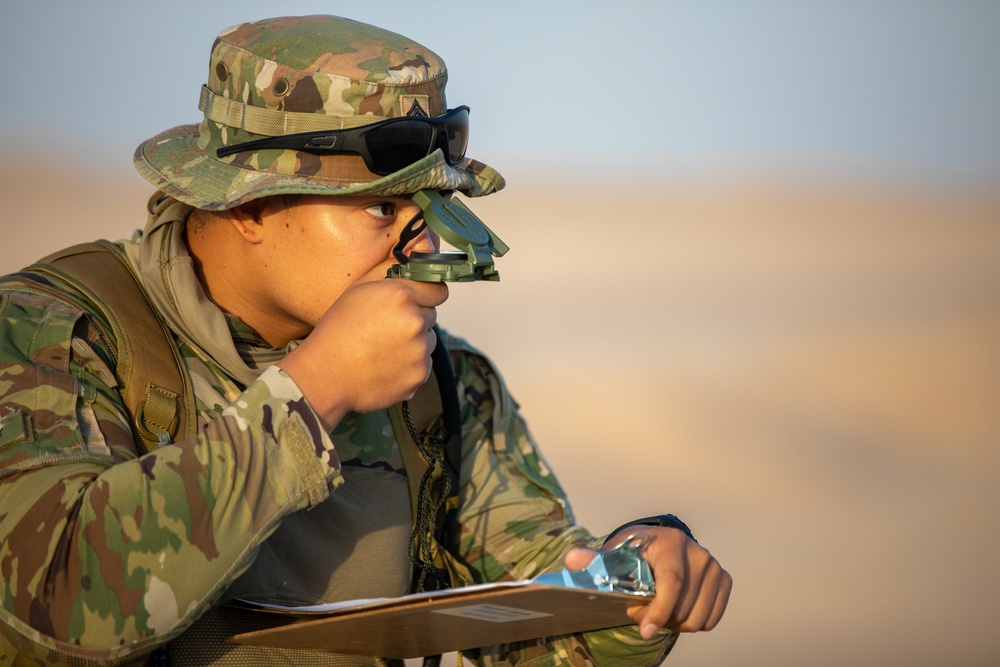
<point x="578" y="559"/>
<point x="428" y="295"/>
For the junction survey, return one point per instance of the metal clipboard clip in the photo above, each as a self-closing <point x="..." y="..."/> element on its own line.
<point x="619" y="570"/>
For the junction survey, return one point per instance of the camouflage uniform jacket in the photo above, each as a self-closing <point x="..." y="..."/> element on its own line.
<point x="107" y="555"/>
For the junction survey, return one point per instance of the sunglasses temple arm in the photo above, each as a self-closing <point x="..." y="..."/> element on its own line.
<point x="239" y="148"/>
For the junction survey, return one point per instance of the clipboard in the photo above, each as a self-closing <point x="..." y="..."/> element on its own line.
<point x="455" y="620"/>
<point x="460" y="619"/>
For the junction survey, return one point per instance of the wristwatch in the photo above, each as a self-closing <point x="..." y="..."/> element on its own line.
<point x="666" y="520"/>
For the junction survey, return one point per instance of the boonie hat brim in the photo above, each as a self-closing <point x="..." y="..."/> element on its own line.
<point x="174" y="163"/>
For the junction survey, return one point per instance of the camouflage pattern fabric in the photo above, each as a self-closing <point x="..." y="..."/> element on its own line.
<point x="281" y="75"/>
<point x="106" y="555"/>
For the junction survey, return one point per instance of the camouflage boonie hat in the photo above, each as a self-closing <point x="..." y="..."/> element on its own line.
<point x="301" y="74"/>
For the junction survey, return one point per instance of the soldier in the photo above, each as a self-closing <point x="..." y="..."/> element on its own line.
<point x="132" y="516"/>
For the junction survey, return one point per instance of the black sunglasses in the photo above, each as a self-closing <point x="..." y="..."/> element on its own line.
<point x="386" y="147"/>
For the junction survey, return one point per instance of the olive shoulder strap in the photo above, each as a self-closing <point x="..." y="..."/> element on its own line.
<point x="149" y="368"/>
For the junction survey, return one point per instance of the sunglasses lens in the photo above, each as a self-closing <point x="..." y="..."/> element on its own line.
<point x="398" y="145"/>
<point x="457" y="134"/>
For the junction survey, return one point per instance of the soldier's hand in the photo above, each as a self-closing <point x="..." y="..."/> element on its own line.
<point x="692" y="589"/>
<point x="370" y="350"/>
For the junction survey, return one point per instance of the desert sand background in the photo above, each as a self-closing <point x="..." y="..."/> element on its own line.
<point x="808" y="372"/>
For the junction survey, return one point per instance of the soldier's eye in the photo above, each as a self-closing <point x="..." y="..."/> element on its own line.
<point x="383" y="210"/>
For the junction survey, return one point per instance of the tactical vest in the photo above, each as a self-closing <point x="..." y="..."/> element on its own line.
<point x="154" y="385"/>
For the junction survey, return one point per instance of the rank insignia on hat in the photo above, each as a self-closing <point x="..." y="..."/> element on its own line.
<point x="413" y="105"/>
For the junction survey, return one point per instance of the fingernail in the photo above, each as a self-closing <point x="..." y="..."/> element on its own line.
<point x="647" y="631"/>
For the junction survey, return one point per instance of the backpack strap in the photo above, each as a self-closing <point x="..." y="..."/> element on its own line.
<point x="156" y="390"/>
<point x="452" y="418"/>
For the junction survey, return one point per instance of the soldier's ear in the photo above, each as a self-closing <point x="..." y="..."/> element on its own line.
<point x="248" y="220"/>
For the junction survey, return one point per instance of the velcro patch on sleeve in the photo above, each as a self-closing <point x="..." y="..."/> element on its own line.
<point x="15" y="426"/>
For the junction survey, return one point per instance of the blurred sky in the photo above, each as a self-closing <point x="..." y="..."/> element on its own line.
<point x="884" y="87"/>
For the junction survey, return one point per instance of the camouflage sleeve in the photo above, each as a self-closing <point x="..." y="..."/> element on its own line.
<point x="516" y="522"/>
<point x="104" y="554"/>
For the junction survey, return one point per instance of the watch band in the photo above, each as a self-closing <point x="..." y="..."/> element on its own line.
<point x="666" y="520"/>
